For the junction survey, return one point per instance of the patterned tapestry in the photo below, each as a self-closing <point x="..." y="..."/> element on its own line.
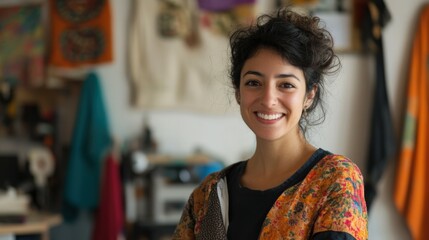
<point x="81" y="33"/>
<point x="22" y="46"/>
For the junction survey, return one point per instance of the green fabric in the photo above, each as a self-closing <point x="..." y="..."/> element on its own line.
<point x="91" y="140"/>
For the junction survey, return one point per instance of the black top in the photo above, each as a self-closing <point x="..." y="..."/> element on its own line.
<point x="248" y="208"/>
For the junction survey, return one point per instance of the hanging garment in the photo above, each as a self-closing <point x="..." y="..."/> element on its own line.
<point x="109" y="218"/>
<point x="382" y="137"/>
<point x="91" y="139"/>
<point x="412" y="177"/>
<point x="22" y="48"/>
<point x="81" y="33"/>
<point x="169" y="72"/>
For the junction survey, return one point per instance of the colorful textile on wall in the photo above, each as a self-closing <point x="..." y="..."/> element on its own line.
<point x="412" y="176"/>
<point x="176" y="60"/>
<point x="90" y="142"/>
<point x="81" y="33"/>
<point x="221" y="17"/>
<point x="22" y="47"/>
<point x="226" y="5"/>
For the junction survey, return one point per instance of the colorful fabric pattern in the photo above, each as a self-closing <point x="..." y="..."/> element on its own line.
<point x="22" y="47"/>
<point x="222" y="17"/>
<point x="412" y="170"/>
<point x="81" y="33"/>
<point x="329" y="199"/>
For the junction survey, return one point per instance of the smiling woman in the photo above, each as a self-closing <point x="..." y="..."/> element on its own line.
<point x="272" y="96"/>
<point x="288" y="188"/>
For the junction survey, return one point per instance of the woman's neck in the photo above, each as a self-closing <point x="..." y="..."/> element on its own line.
<point x="275" y="161"/>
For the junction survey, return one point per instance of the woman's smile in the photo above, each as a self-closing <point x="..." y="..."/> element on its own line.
<point x="274" y="116"/>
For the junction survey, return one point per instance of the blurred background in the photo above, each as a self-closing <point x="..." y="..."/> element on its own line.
<point x="113" y="111"/>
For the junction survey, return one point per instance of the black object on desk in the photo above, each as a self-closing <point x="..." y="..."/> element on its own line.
<point x="9" y="171"/>
<point x="153" y="231"/>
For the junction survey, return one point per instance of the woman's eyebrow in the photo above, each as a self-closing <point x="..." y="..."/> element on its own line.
<point x="282" y="75"/>
<point x="253" y="73"/>
<point x="287" y="75"/>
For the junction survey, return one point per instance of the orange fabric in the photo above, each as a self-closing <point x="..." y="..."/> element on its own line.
<point x="81" y="33"/>
<point x="411" y="189"/>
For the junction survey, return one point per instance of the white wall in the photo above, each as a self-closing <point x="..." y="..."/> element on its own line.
<point x="345" y="130"/>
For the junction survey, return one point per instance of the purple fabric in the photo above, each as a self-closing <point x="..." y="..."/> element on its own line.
<point x="221" y="5"/>
<point x="244" y="2"/>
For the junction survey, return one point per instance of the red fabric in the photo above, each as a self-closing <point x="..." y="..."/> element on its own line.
<point x="109" y="218"/>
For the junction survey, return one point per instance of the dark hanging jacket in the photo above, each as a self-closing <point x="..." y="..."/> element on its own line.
<point x="382" y="137"/>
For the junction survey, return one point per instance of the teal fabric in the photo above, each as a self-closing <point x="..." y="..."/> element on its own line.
<point x="90" y="143"/>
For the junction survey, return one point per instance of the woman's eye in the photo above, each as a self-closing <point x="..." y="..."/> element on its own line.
<point x="252" y="83"/>
<point x="286" y="85"/>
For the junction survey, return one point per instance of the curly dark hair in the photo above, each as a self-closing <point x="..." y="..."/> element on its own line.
<point x="300" y="39"/>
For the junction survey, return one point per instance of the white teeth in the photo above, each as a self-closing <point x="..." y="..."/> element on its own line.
<point x="269" y="116"/>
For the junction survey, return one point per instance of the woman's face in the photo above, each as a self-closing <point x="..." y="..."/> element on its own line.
<point x="272" y="95"/>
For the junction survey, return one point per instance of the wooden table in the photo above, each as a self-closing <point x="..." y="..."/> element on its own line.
<point x="35" y="223"/>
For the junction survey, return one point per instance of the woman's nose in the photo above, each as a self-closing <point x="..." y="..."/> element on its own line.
<point x="269" y="96"/>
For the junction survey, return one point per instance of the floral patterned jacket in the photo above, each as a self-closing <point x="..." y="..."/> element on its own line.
<point x="328" y="201"/>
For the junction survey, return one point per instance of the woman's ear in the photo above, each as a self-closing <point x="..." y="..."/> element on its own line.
<point x="309" y="97"/>
<point x="237" y="96"/>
